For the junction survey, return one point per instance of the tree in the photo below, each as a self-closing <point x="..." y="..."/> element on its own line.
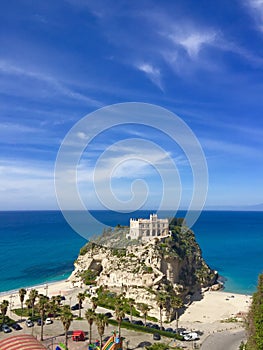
<point x="81" y="297"/>
<point x="28" y="304"/>
<point x="54" y="305"/>
<point x="32" y="297"/>
<point x="255" y="319"/>
<point x="119" y="314"/>
<point x="42" y="306"/>
<point x="144" y="308"/>
<point x="22" y="293"/>
<point x="66" y="318"/>
<point x="58" y="299"/>
<point x="161" y="302"/>
<point x="90" y="317"/>
<point x="101" y="321"/>
<point x="131" y="303"/>
<point x="176" y="303"/>
<point x="94" y="302"/>
<point x="4" y="307"/>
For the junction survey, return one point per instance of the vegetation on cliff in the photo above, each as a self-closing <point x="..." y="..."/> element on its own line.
<point x="154" y="272"/>
<point x="255" y="319"/>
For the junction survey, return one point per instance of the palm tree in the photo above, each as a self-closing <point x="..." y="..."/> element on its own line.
<point x="22" y="293"/>
<point x="101" y="321"/>
<point x="32" y="297"/>
<point x="66" y="318"/>
<point x="161" y="302"/>
<point x="120" y="314"/>
<point x="28" y="304"/>
<point x="54" y="305"/>
<point x="131" y="303"/>
<point x="144" y="308"/>
<point x="90" y="317"/>
<point x="176" y="303"/>
<point x="94" y="302"/>
<point x="42" y="306"/>
<point x="3" y="307"/>
<point x="81" y="297"/>
<point x="58" y="299"/>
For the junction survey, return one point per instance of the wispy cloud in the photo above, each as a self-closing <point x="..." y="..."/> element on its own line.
<point x="58" y="86"/>
<point x="193" y="42"/>
<point x="153" y="73"/>
<point x="230" y="148"/>
<point x="24" y="183"/>
<point x="256" y="9"/>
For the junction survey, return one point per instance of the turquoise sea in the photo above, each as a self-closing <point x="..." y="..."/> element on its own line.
<point x="39" y="246"/>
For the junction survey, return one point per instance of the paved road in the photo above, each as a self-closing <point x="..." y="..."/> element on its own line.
<point x="227" y="340"/>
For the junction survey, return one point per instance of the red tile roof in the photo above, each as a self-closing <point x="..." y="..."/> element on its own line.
<point x="21" y="342"/>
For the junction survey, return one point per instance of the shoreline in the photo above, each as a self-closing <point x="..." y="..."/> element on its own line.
<point x="63" y="287"/>
<point x="216" y="306"/>
<point x="56" y="281"/>
<point x="213" y="305"/>
<point x="35" y="286"/>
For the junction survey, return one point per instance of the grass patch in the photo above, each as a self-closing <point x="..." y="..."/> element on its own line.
<point x="107" y="299"/>
<point x="151" y="318"/>
<point x="230" y="320"/>
<point x="6" y="320"/>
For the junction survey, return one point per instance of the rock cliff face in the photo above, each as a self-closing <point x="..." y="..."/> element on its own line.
<point x="171" y="265"/>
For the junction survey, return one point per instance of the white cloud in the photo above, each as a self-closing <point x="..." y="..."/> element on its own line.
<point x="81" y="135"/>
<point x="194" y="42"/>
<point x="152" y="73"/>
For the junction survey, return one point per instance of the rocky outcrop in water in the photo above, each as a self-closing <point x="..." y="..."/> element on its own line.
<point x="171" y="265"/>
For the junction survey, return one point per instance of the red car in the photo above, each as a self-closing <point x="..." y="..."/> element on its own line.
<point x="78" y="336"/>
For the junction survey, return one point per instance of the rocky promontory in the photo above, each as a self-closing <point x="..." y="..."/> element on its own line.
<point x="170" y="265"/>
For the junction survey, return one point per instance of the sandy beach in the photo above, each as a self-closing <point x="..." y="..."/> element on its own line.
<point x="214" y="305"/>
<point x="205" y="315"/>
<point x="63" y="287"/>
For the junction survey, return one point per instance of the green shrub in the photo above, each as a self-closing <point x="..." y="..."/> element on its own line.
<point x="83" y="250"/>
<point x="89" y="276"/>
<point x="144" y="329"/>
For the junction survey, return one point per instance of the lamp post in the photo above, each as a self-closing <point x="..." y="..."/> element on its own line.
<point x="10" y="308"/>
<point x="46" y="288"/>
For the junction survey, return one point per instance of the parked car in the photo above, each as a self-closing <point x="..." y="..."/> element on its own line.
<point x="29" y="323"/>
<point x="6" y="329"/>
<point x="39" y="322"/>
<point x="155" y="326"/>
<point x="75" y="307"/>
<point x="78" y="336"/>
<point x="126" y="319"/>
<point x="156" y="336"/>
<point x="191" y="336"/>
<point x="16" y="326"/>
<point x="48" y="321"/>
<point x="149" y="324"/>
<point x="138" y="322"/>
<point x="108" y="314"/>
<point x="169" y="330"/>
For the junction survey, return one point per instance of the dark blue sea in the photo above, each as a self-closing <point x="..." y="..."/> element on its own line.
<point x="39" y="246"/>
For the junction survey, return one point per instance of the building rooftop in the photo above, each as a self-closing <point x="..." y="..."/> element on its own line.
<point x="21" y="342"/>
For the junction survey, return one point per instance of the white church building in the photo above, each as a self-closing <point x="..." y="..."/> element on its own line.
<point x="148" y="228"/>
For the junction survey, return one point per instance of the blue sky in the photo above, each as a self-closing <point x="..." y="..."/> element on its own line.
<point x="60" y="60"/>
